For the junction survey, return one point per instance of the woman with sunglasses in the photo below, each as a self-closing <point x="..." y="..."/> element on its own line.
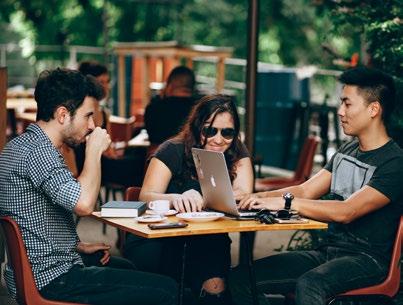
<point x="214" y="125"/>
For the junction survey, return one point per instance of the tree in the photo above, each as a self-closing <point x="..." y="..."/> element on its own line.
<point x="379" y="24"/>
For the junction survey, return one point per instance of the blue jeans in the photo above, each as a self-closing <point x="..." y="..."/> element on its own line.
<point x="314" y="276"/>
<point x="111" y="286"/>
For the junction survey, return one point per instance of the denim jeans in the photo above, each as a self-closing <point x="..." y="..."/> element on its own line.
<point x="111" y="286"/>
<point x="314" y="276"/>
<point x="207" y="256"/>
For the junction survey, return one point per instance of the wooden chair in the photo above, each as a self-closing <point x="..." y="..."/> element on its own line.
<point x="302" y="172"/>
<point x="389" y="287"/>
<point x="132" y="194"/>
<point x="120" y="131"/>
<point x="27" y="292"/>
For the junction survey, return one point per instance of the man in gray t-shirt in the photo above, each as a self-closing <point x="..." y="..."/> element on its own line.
<point x="363" y="180"/>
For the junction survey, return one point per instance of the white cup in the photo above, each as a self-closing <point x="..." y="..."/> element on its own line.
<point x="159" y="206"/>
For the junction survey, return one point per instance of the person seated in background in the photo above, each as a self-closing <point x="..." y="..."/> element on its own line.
<point x="166" y="113"/>
<point x="115" y="166"/>
<point x="363" y="180"/>
<point x="39" y="192"/>
<point x="101" y="73"/>
<point x="214" y="125"/>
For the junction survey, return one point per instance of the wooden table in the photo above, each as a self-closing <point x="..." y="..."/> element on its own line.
<point x="21" y="103"/>
<point x="224" y="225"/>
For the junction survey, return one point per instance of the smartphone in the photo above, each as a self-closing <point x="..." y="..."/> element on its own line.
<point x="291" y="220"/>
<point x="167" y="225"/>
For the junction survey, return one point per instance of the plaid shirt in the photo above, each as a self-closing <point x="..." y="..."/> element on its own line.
<point x="40" y="193"/>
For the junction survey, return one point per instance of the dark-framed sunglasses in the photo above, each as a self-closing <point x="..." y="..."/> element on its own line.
<point x="226" y="133"/>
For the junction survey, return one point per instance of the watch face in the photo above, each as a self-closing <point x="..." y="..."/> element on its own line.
<point x="288" y="196"/>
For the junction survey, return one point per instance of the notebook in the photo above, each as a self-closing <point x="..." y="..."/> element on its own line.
<point x="215" y="183"/>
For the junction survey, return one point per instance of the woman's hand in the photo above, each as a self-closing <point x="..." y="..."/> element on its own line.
<point x="90" y="248"/>
<point x="189" y="201"/>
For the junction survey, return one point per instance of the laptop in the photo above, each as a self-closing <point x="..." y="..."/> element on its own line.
<point x="216" y="184"/>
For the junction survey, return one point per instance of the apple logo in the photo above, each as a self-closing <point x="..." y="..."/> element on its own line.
<point x="212" y="180"/>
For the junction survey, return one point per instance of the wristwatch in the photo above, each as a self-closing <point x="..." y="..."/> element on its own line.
<point x="288" y="197"/>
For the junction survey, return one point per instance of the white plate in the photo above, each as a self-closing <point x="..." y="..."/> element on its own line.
<point x="150" y="218"/>
<point x="167" y="213"/>
<point x="200" y="216"/>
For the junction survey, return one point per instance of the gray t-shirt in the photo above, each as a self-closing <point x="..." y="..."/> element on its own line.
<point x="382" y="169"/>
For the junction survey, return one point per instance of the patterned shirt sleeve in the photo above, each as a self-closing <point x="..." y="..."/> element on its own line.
<point x="48" y="172"/>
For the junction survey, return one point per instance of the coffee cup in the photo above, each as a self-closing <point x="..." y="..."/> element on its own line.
<point x="159" y="206"/>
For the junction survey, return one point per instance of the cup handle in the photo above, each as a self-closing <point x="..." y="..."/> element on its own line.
<point x="151" y="205"/>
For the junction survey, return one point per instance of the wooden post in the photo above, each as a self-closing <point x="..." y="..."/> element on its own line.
<point x="145" y="90"/>
<point x="220" y="74"/>
<point x="121" y="85"/>
<point x="189" y="62"/>
<point x="3" y="110"/>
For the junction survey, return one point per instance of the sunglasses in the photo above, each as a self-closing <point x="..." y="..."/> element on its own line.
<point x="226" y="133"/>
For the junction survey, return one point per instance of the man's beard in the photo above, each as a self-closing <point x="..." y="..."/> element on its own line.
<point x="72" y="143"/>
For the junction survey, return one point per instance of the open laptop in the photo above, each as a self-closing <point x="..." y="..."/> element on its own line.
<point x="216" y="184"/>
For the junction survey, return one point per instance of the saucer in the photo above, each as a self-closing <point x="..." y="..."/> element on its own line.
<point x="200" y="216"/>
<point x="150" y="218"/>
<point x="167" y="213"/>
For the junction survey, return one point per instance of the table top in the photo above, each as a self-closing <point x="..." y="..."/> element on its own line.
<point x="27" y="116"/>
<point x="21" y="103"/>
<point x="223" y="225"/>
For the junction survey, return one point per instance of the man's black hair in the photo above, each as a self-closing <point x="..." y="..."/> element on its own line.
<point x="183" y="77"/>
<point x="61" y="87"/>
<point x="373" y="85"/>
<point x="95" y="89"/>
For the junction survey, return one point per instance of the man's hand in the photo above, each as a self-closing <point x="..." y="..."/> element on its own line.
<point x="245" y="200"/>
<point x="89" y="248"/>
<point x="189" y="201"/>
<point x="270" y="203"/>
<point x="97" y="142"/>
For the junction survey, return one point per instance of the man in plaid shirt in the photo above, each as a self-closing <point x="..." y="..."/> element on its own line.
<point x="40" y="193"/>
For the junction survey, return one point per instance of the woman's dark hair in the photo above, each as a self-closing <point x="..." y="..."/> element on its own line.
<point x="206" y="107"/>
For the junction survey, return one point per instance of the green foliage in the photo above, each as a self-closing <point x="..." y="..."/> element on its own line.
<point x="380" y="24"/>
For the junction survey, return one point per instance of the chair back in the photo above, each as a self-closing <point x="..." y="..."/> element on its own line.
<point x="121" y="129"/>
<point x="132" y="194"/>
<point x="390" y="286"/>
<point x="305" y="159"/>
<point x="27" y="292"/>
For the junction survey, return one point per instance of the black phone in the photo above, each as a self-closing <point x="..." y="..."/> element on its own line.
<point x="167" y="225"/>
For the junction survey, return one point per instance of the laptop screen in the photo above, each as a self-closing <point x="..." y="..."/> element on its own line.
<point x="214" y="181"/>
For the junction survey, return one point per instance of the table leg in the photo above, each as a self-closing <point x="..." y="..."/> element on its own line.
<point x="249" y="238"/>
<point x="182" y="279"/>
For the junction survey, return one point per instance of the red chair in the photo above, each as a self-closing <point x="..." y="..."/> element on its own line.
<point x="27" y="292"/>
<point x="302" y="172"/>
<point x="389" y="287"/>
<point x="132" y="194"/>
<point x="120" y="131"/>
